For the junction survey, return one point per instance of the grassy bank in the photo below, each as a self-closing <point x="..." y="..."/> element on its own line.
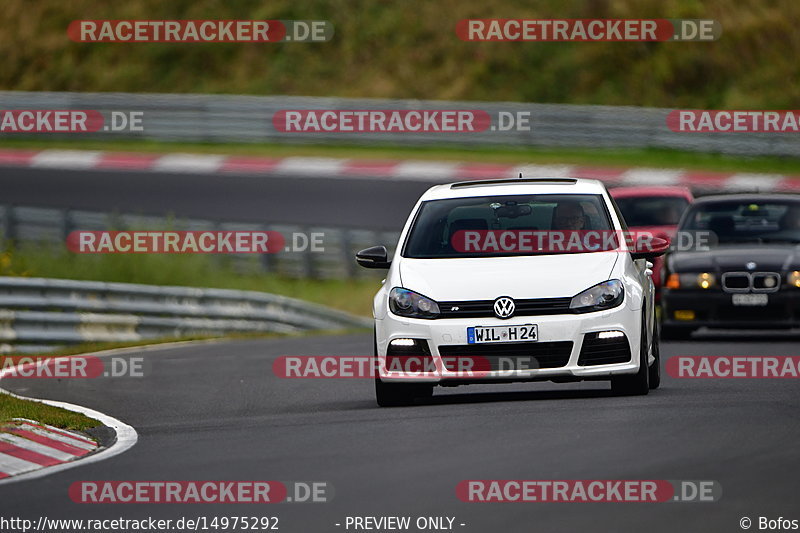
<point x="410" y="50"/>
<point x="11" y="407"/>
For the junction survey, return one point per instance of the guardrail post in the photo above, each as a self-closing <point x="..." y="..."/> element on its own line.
<point x="66" y="224"/>
<point x="347" y="253"/>
<point x="308" y="257"/>
<point x="9" y="221"/>
<point x="267" y="260"/>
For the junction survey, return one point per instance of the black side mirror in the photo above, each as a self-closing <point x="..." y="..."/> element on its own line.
<point x="650" y="250"/>
<point x="374" y="257"/>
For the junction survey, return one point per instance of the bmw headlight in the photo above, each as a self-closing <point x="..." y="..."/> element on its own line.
<point x="602" y="296"/>
<point x="404" y="302"/>
<point x="703" y="280"/>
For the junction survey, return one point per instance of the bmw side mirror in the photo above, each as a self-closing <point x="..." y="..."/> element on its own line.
<point x="650" y="248"/>
<point x="374" y="257"/>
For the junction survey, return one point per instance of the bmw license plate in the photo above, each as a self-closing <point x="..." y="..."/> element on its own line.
<point x="751" y="299"/>
<point x="488" y="334"/>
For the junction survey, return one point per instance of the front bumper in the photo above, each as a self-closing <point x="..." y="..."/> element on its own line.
<point x="714" y="308"/>
<point x="551" y="329"/>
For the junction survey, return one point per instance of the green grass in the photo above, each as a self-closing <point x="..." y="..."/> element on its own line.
<point x="192" y="270"/>
<point x="661" y="158"/>
<point x="409" y="50"/>
<point x="11" y="407"/>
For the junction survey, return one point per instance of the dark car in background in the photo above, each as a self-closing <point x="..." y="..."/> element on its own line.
<point x="743" y="269"/>
<point x="655" y="210"/>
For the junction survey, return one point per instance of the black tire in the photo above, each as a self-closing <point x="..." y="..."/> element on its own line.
<point x="676" y="333"/>
<point x="398" y="394"/>
<point x="655" y="368"/>
<point x="637" y="384"/>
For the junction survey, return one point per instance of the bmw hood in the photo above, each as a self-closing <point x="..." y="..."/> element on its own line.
<point x="767" y="258"/>
<point x="543" y="276"/>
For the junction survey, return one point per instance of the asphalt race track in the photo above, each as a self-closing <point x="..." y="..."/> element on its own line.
<point x="216" y="412"/>
<point x="289" y="198"/>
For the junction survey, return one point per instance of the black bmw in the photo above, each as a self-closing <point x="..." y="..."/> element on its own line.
<point x="735" y="263"/>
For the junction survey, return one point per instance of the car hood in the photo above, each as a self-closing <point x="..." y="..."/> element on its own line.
<point x="543" y="276"/>
<point x="771" y="258"/>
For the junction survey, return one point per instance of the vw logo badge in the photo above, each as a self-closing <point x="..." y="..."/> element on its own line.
<point x="504" y="307"/>
<point x="751" y="265"/>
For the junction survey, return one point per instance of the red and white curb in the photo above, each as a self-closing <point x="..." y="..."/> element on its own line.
<point x="388" y="169"/>
<point x="26" y="446"/>
<point x="126" y="437"/>
<point x="30" y="450"/>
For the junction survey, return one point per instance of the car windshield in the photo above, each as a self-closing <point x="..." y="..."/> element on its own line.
<point x="438" y="221"/>
<point x="747" y="221"/>
<point x="652" y="210"/>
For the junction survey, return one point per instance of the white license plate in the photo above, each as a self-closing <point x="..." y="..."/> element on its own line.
<point x="750" y="299"/>
<point x="488" y="334"/>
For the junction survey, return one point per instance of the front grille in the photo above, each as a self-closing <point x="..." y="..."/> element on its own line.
<point x="736" y="281"/>
<point x="506" y="356"/>
<point x="766" y="281"/>
<point x="604" y="351"/>
<point x="751" y="282"/>
<point x="485" y="308"/>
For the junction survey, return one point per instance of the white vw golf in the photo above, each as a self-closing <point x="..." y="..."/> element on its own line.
<point x="513" y="280"/>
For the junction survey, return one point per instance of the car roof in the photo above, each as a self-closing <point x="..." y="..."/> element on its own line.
<point x="753" y="197"/>
<point x="511" y="186"/>
<point x="647" y="191"/>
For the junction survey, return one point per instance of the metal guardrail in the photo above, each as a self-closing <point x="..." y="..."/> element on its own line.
<point x="39" y="314"/>
<point x="41" y="225"/>
<point x="221" y="118"/>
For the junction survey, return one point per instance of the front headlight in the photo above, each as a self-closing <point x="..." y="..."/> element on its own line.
<point x="703" y="280"/>
<point x="404" y="302"/>
<point x="794" y="278"/>
<point x="602" y="296"/>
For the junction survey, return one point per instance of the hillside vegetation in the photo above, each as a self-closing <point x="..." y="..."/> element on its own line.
<point x="408" y="49"/>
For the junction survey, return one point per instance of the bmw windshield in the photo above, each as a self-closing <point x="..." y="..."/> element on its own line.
<point x="747" y="222"/>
